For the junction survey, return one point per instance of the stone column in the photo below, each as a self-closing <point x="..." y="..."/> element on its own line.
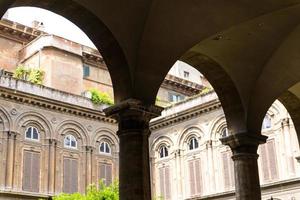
<point x="89" y="151"/>
<point x="178" y="174"/>
<point x="211" y="167"/>
<point x="288" y="147"/>
<point x="11" y="137"/>
<point x="134" y="171"/>
<point x="52" y="164"/>
<point x="244" y="147"/>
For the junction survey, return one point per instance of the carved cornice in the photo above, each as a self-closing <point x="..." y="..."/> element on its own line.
<point x="185" y="115"/>
<point x="53" y="105"/>
<point x="18" y="32"/>
<point x="181" y="85"/>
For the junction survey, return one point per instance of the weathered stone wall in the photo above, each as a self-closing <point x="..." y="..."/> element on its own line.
<point x="9" y="53"/>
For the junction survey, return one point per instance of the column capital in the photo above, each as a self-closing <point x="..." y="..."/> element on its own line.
<point x="208" y="143"/>
<point x="133" y="107"/>
<point x="89" y="148"/>
<point x="132" y="114"/>
<point x="12" y="134"/>
<point x="52" y="140"/>
<point x="244" y="142"/>
<point x="285" y="121"/>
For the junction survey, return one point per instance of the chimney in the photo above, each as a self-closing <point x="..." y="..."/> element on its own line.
<point x="38" y="25"/>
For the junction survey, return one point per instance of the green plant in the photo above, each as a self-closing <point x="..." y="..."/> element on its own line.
<point x="100" y="97"/>
<point x="36" y="76"/>
<point x="21" y="72"/>
<point x="110" y="192"/>
<point x="158" y="198"/>
<point x="205" y="90"/>
<point x="32" y="75"/>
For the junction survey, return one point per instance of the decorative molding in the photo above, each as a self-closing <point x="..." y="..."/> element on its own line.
<point x="14" y="111"/>
<point x="53" y="105"/>
<point x="181" y="85"/>
<point x="185" y="115"/>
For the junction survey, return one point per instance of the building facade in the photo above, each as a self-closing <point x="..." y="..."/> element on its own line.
<point x="188" y="160"/>
<point x="52" y="142"/>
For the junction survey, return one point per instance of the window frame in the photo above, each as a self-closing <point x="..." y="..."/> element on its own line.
<point x="70" y="146"/>
<point x="224" y="130"/>
<point x="106" y="144"/>
<point x="165" y="152"/>
<point x="31" y="134"/>
<point x="193" y="140"/>
<point x="186" y="74"/>
<point x="267" y="121"/>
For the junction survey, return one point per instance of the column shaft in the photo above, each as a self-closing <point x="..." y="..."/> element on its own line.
<point x="244" y="147"/>
<point x="52" y="164"/>
<point x="89" y="150"/>
<point x="288" y="147"/>
<point x="10" y="160"/>
<point x="134" y="170"/>
<point x="247" y="185"/>
<point x="211" y="168"/>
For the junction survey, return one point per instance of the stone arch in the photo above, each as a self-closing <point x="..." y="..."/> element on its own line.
<point x="73" y="127"/>
<point x="218" y="124"/>
<point x="189" y="132"/>
<point x="223" y="85"/>
<point x="159" y="142"/>
<point x="34" y="119"/>
<point x="108" y="135"/>
<point x="96" y="30"/>
<point x="292" y="103"/>
<point x="5" y="119"/>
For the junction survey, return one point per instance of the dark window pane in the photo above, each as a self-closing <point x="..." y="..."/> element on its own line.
<point x="107" y="150"/>
<point x="191" y="145"/>
<point x="73" y="143"/>
<point x="35" y="134"/>
<point x="28" y="133"/>
<point x="166" y="152"/>
<point x="86" y="70"/>
<point x="102" y="147"/>
<point x="67" y="141"/>
<point x="196" y="144"/>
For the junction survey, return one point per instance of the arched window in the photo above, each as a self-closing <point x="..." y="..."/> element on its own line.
<point x="267" y="123"/>
<point x="193" y="143"/>
<point x="163" y="152"/>
<point x="70" y="142"/>
<point x="224" y="132"/>
<point x="104" y="147"/>
<point x="32" y="133"/>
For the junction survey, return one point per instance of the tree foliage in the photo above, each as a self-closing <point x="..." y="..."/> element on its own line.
<point x="93" y="193"/>
<point x="100" y="97"/>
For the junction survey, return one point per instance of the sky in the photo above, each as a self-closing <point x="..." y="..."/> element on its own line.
<point x="54" y="24"/>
